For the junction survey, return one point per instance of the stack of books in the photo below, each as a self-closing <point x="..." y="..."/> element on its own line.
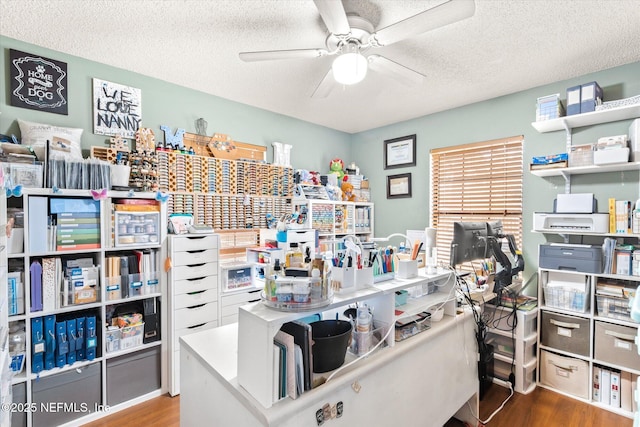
<point x="77" y="231"/>
<point x="622" y="217"/>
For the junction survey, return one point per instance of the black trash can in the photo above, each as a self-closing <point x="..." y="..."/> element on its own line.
<point x="330" y="341"/>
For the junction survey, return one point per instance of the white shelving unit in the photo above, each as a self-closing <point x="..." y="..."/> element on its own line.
<point x="5" y="371"/>
<point x="116" y="377"/>
<point x="335" y="220"/>
<point x="588" y="119"/>
<point x="570" y="337"/>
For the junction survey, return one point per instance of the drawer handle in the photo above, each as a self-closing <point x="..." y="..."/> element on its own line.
<point x="196" y="326"/>
<point x="195" y="265"/>
<point x="196" y="306"/>
<point x="564" y="324"/>
<point x="196" y="292"/>
<point x="196" y="237"/>
<point x="624" y="337"/>
<point x="196" y="278"/>
<point x="196" y="251"/>
<point x="254" y="300"/>
<point x="565" y="367"/>
<point x="253" y="292"/>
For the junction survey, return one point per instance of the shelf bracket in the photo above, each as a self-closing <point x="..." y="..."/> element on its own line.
<point x="568" y="141"/>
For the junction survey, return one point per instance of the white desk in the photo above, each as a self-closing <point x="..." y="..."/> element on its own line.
<point x="423" y="380"/>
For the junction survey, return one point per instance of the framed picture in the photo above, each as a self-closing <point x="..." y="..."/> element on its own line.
<point x="400" y="152"/>
<point x="38" y="83"/>
<point x="399" y="186"/>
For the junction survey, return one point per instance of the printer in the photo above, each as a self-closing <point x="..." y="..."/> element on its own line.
<point x="579" y="222"/>
<point x="572" y="213"/>
<point x="564" y="256"/>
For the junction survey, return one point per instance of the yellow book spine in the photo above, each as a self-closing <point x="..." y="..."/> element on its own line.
<point x="612" y="215"/>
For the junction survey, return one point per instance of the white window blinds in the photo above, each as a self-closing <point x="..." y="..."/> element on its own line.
<point x="476" y="182"/>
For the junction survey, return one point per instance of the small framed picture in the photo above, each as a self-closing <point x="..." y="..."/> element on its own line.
<point x="399" y="186"/>
<point x="400" y="152"/>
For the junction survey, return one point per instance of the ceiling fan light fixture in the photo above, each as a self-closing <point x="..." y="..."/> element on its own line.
<point x="350" y="67"/>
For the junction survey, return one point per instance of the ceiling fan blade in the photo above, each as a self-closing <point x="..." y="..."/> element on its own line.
<point x="333" y="15"/>
<point x="439" y="16"/>
<point x="402" y="74"/>
<point x="326" y="86"/>
<point x="268" y="55"/>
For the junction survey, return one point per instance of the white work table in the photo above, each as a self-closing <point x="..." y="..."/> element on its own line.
<point x="423" y="380"/>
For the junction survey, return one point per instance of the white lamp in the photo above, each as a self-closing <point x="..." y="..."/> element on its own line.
<point x="350" y="67"/>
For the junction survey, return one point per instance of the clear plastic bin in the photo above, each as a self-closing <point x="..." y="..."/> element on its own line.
<point x="567" y="298"/>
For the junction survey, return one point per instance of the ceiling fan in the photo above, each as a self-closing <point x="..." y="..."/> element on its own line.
<point x="351" y="35"/>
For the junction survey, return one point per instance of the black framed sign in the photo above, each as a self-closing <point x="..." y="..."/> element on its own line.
<point x="399" y="186"/>
<point x="400" y="152"/>
<point x="38" y="83"/>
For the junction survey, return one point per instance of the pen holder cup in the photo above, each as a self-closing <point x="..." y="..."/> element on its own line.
<point x="343" y="279"/>
<point x="407" y="269"/>
<point x="120" y="175"/>
<point x="364" y="277"/>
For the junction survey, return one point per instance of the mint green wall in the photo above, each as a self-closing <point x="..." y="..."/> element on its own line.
<point x="176" y="106"/>
<point x="497" y="118"/>
<point x="314" y="146"/>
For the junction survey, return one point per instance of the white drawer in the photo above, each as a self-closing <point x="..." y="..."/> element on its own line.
<point x="232" y="309"/>
<point x="195" y="298"/>
<point x="194" y="257"/>
<point x="190" y="243"/>
<point x="184" y="286"/>
<point x="197" y="270"/>
<point x="301" y="236"/>
<point x="191" y="330"/>
<point x="233" y="318"/>
<point x="241" y="297"/>
<point x="192" y="316"/>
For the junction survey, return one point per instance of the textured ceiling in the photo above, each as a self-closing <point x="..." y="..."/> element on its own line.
<point x="507" y="46"/>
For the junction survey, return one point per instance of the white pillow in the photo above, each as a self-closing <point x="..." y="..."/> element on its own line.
<point x="36" y="136"/>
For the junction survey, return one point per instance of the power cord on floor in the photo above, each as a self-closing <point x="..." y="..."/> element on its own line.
<point x="485" y="422"/>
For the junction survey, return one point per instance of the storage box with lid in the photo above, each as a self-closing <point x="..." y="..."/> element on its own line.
<point x="566" y="374"/>
<point x="564" y="332"/>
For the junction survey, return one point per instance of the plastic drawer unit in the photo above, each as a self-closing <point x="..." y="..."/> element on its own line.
<point x="564" y="332"/>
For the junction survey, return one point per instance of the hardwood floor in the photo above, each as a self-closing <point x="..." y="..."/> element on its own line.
<point x="541" y="408"/>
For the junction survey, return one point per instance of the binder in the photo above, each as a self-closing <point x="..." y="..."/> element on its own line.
<point x="72" y="336"/>
<point x="590" y="96"/>
<point x="605" y="386"/>
<point x="49" y="342"/>
<point x="573" y="100"/>
<point x="62" y="344"/>
<point x="80" y="337"/>
<point x="37" y="345"/>
<point x="615" y="389"/>
<point x="596" y="384"/>
<point x="91" y="341"/>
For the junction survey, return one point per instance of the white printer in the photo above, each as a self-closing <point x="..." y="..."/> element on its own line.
<point x="572" y="213"/>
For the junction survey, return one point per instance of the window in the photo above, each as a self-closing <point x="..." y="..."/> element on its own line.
<point x="476" y="182"/>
